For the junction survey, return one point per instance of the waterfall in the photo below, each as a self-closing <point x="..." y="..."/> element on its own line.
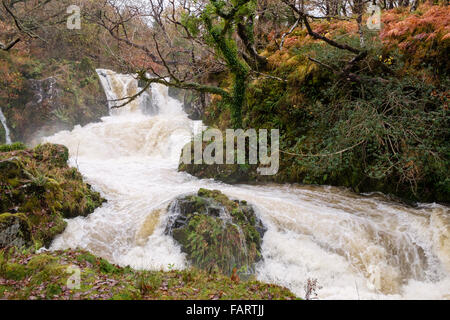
<point x="5" y="126"/>
<point x="119" y="87"/>
<point x="356" y="246"/>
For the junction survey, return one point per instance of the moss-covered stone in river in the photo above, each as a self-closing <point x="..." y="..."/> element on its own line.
<point x="216" y="233"/>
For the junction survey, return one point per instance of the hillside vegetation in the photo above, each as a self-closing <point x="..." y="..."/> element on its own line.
<point x="48" y="81"/>
<point x="389" y="135"/>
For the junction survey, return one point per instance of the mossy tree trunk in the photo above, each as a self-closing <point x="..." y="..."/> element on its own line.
<point x="220" y="19"/>
<point x="213" y="24"/>
<point x="226" y="47"/>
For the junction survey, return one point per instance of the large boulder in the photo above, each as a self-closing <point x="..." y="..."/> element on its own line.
<point x="215" y="232"/>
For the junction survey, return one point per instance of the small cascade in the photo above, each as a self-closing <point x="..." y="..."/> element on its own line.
<point x="5" y="126"/>
<point x="118" y="87"/>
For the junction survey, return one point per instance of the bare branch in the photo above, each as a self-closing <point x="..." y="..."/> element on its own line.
<point x="8" y="46"/>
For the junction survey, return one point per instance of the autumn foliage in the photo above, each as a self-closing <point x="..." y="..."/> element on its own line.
<point x="424" y="37"/>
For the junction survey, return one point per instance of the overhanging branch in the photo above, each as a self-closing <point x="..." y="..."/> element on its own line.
<point x="8" y="46"/>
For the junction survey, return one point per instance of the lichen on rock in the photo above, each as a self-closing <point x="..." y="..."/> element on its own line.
<point x="14" y="230"/>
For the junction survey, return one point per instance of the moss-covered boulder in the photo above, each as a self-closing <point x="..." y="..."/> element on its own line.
<point x="216" y="233"/>
<point x="38" y="184"/>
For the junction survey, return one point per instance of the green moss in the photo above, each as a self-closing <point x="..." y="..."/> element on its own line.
<point x="52" y="153"/>
<point x="87" y="257"/>
<point x="15" y="271"/>
<point x="238" y="214"/>
<point x="47" y="279"/>
<point x="53" y="290"/>
<point x="149" y="282"/>
<point x="107" y="267"/>
<point x="40" y="262"/>
<point x="217" y="196"/>
<point x="39" y="183"/>
<point x="12" y="147"/>
<point x="212" y="242"/>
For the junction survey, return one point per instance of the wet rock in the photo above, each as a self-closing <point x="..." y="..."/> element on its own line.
<point x="37" y="186"/>
<point x="46" y="106"/>
<point x="216" y="233"/>
<point x="194" y="103"/>
<point x="9" y="167"/>
<point x="14" y="231"/>
<point x="229" y="173"/>
<point x="56" y="154"/>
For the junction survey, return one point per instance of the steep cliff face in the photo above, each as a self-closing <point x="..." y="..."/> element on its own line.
<point x="49" y="105"/>
<point x="43" y="102"/>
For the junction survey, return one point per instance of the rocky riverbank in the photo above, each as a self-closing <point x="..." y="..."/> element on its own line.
<point x="31" y="276"/>
<point x="40" y="190"/>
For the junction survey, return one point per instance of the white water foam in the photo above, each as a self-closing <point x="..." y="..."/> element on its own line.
<point x="5" y="126"/>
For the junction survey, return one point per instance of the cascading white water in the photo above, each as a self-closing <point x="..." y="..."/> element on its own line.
<point x="358" y="247"/>
<point x="118" y="87"/>
<point x="5" y="126"/>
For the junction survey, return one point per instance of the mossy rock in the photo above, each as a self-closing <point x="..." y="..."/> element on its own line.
<point x="216" y="232"/>
<point x="228" y="173"/>
<point x="14" y="230"/>
<point x="56" y="154"/>
<point x="39" y="183"/>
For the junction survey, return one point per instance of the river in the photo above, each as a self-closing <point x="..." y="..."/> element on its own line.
<point x="356" y="246"/>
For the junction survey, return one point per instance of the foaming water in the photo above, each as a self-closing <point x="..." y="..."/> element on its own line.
<point x="5" y="127"/>
<point x="358" y="247"/>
